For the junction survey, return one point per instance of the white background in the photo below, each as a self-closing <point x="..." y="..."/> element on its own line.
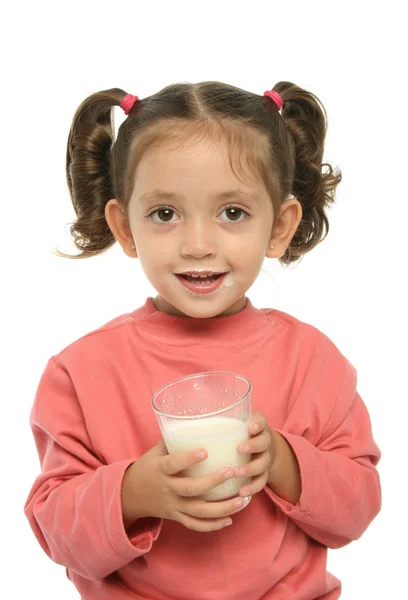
<point x="352" y="286"/>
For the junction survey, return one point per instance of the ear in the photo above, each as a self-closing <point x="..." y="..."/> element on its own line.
<point x="118" y="222"/>
<point x="284" y="227"/>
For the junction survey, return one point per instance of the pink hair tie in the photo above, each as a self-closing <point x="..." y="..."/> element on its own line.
<point x="127" y="102"/>
<point x="275" y="97"/>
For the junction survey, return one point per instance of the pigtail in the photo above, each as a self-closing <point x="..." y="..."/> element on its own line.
<point x="306" y="120"/>
<point x="284" y="148"/>
<point x="88" y="171"/>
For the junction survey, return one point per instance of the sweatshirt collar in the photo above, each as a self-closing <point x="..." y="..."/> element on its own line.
<point x="237" y="329"/>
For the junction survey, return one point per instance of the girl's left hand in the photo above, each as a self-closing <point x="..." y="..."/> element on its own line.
<point x="262" y="448"/>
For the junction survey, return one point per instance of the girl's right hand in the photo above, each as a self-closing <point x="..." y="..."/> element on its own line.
<point x="152" y="487"/>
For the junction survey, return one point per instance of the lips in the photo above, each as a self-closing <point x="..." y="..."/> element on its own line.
<point x="202" y="286"/>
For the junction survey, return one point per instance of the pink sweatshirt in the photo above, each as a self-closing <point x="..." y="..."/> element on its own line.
<point x="92" y="417"/>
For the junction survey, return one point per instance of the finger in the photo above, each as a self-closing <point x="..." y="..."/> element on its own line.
<point x="159" y="449"/>
<point x="258" y="465"/>
<point x="258" y="423"/>
<point x="174" y="463"/>
<point x="257" y="484"/>
<point x="195" y="486"/>
<point x="259" y="443"/>
<point x="212" y="510"/>
<point x="203" y="525"/>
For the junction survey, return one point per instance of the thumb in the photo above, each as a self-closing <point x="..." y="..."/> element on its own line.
<point x="158" y="449"/>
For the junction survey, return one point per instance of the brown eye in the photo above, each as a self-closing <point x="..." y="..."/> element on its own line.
<point x="235" y="213"/>
<point x="164" y="212"/>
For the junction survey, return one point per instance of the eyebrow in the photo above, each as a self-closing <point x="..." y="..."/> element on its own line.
<point x="228" y="194"/>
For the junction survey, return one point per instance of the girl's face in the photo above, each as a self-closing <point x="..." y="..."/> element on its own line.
<point x="196" y="230"/>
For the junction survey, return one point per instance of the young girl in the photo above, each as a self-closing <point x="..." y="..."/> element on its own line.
<point x="204" y="179"/>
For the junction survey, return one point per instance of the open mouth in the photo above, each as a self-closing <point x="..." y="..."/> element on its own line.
<point x="202" y="280"/>
<point x="202" y="285"/>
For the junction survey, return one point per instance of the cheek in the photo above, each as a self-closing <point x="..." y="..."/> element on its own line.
<point x="147" y="247"/>
<point x="251" y="255"/>
<point x="148" y="255"/>
<point x="229" y="280"/>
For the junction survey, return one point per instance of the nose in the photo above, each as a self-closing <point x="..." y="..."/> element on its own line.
<point x="198" y="239"/>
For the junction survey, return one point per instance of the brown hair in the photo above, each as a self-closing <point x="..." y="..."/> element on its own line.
<point x="284" y="149"/>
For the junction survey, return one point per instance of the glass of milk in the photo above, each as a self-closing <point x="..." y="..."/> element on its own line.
<point x="210" y="410"/>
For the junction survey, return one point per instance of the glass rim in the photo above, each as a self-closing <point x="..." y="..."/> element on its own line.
<point x="202" y="374"/>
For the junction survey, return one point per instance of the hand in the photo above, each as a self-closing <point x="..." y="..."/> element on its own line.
<point x="263" y="448"/>
<point x="153" y="487"/>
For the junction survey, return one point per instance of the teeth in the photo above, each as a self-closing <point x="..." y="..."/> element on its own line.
<point x="204" y="279"/>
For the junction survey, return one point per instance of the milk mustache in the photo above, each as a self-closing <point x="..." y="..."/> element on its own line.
<point x="220" y="436"/>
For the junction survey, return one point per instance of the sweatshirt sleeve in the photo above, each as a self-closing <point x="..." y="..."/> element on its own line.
<point x="74" y="506"/>
<point x="340" y="486"/>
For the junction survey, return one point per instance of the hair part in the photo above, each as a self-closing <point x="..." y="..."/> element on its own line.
<point x="284" y="150"/>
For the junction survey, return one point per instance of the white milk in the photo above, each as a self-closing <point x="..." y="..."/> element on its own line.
<point x="220" y="436"/>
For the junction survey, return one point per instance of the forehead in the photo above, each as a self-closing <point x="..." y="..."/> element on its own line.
<point x="224" y="195"/>
<point x="177" y="170"/>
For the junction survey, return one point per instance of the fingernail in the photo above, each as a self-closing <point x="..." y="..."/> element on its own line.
<point x="245" y="448"/>
<point x="201" y="454"/>
<point x="240" y="472"/>
<point x="255" y="428"/>
<point x="239" y="502"/>
<point x="226" y="472"/>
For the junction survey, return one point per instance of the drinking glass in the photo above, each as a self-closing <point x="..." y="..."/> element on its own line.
<point x="210" y="410"/>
